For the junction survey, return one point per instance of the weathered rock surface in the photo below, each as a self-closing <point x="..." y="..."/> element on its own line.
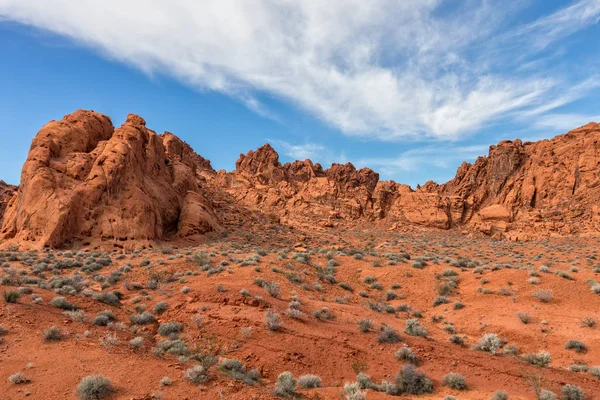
<point x="84" y="179"/>
<point x="6" y="193"/>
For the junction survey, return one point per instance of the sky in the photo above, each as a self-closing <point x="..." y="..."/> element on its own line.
<point x="410" y="89"/>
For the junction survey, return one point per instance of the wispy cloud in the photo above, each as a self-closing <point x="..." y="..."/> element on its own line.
<point x="298" y="151"/>
<point x="378" y="69"/>
<point x="316" y="152"/>
<point x="427" y="157"/>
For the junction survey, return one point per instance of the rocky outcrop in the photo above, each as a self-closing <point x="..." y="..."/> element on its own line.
<point x="84" y="179"/>
<point x="545" y="187"/>
<point x="6" y="193"/>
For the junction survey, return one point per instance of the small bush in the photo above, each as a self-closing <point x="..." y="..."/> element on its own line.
<point x="414" y="328"/>
<point x="455" y="381"/>
<point x="166" y="381"/>
<point x="352" y="392"/>
<point x="499" y="395"/>
<point x="62" y="303"/>
<point x="413" y="381"/>
<point x="406" y="354"/>
<point x="524" y="317"/>
<point x="440" y="300"/>
<point x="197" y="374"/>
<point x="285" y="386"/>
<point x="389" y="335"/>
<point x="365" y="325"/>
<point x="572" y="392"/>
<point x="490" y="343"/>
<point x="52" y="334"/>
<point x="324" y="314"/>
<point x="161" y="307"/>
<point x="94" y="387"/>
<point x="136" y="342"/>
<point x="576" y="345"/>
<point x="309" y="381"/>
<point x="18" y="378"/>
<point x="543" y="295"/>
<point x="541" y="359"/>
<point x="143" y="318"/>
<point x="11" y="296"/>
<point x="273" y="321"/>
<point x="104" y="317"/>
<point x="169" y="329"/>
<point x="546" y="395"/>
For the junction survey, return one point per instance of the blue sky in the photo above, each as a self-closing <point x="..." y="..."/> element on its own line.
<point x="408" y="88"/>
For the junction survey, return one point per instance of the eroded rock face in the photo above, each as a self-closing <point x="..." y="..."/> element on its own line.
<point x="84" y="179"/>
<point x="6" y="193"/>
<point x="550" y="186"/>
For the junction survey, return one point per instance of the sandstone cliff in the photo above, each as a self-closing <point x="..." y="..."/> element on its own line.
<point x="84" y="180"/>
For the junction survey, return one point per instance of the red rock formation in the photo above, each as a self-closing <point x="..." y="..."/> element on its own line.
<point x="84" y="179"/>
<point x="6" y="193"/>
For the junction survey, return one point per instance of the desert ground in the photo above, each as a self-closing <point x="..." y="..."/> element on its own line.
<point x="224" y="319"/>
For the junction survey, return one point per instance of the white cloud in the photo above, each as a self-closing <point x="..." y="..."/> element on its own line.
<point x="380" y="69"/>
<point x="298" y="151"/>
<point x="424" y="158"/>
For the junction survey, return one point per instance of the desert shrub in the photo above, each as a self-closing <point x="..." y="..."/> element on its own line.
<point x="455" y="381"/>
<point x="62" y="303"/>
<point x="170" y="328"/>
<point x="161" y="307"/>
<point x="177" y="347"/>
<point x="94" y="387"/>
<point x="285" y="386"/>
<point x="352" y="392"/>
<point x="110" y="298"/>
<point x="166" y="381"/>
<point x="104" y="317"/>
<point x="389" y="335"/>
<point x="197" y="374"/>
<point x="143" y="318"/>
<point x="272" y="288"/>
<point x="576" y="345"/>
<point x="324" y="314"/>
<point x="541" y="359"/>
<point x="458" y="306"/>
<point x="543" y="295"/>
<point x="309" y="381"/>
<point x="365" y="325"/>
<point x="524" y="317"/>
<point x="294" y="313"/>
<point x="490" y="343"/>
<point x="136" y="342"/>
<point x="546" y="395"/>
<point x="595" y="371"/>
<point x="572" y="392"/>
<point x="18" y="379"/>
<point x="406" y="354"/>
<point x="413" y="381"/>
<point x="273" y="321"/>
<point x="413" y="328"/>
<point x="201" y="259"/>
<point x="77" y="316"/>
<point x="499" y="395"/>
<point x="237" y="370"/>
<point x="11" y="296"/>
<point x="440" y="300"/>
<point x="364" y="380"/>
<point x="588" y="322"/>
<point x="52" y="334"/>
